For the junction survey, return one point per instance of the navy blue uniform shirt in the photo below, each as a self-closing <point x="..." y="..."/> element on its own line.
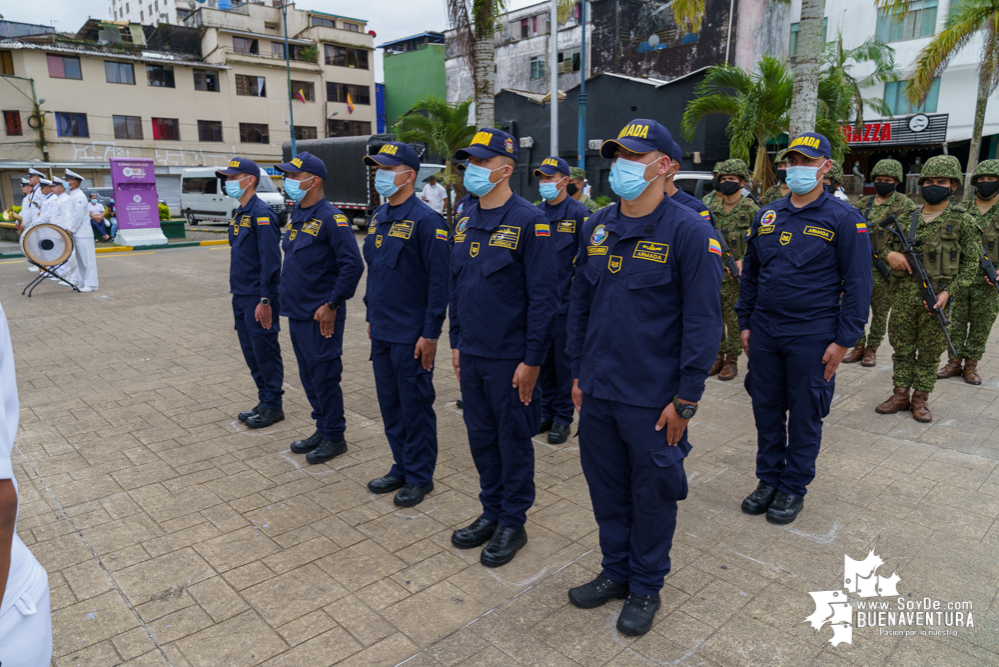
<point x="684" y="198"/>
<point x="645" y="317"/>
<point x="321" y="260"/>
<point x="409" y="267"/>
<point x="255" y="254"/>
<point x="566" y="220"/>
<point x="461" y="208"/>
<point x="798" y="261"/>
<point x="504" y="287"/>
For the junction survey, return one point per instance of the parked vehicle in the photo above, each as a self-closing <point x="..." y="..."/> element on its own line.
<point x="697" y="183"/>
<point x="203" y="197"/>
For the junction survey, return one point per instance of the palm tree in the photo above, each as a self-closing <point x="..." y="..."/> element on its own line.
<point x="443" y="128"/>
<point x="837" y="66"/>
<point x="688" y="14"/>
<point x="965" y="20"/>
<point x="807" y="68"/>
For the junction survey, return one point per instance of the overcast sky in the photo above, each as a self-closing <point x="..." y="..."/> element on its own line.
<point x="390" y="19"/>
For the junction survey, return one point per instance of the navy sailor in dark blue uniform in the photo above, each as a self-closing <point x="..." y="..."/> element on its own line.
<point x="322" y="266"/>
<point x="503" y="302"/>
<point x="802" y="253"/>
<point x="566" y="217"/>
<point x="409" y="261"/>
<point x="679" y="195"/>
<point x="644" y="325"/>
<point x="254" y="281"/>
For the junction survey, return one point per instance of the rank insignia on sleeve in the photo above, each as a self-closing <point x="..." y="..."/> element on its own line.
<point x="785" y="238"/>
<point x="442" y="234"/>
<point x="341" y="220"/>
<point x="714" y="246"/>
<point x="542" y="230"/>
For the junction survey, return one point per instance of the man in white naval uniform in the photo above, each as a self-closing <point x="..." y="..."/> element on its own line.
<point x="31" y="206"/>
<point x="56" y="211"/>
<point x="84" y="252"/>
<point x="25" y="612"/>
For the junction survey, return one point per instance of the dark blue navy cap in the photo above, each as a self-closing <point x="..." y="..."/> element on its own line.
<point x="552" y="165"/>
<point x="304" y="161"/>
<point x="810" y="144"/>
<point x="677" y="154"/>
<point x="488" y="143"/>
<point x="239" y="165"/>
<point x="394" y="153"/>
<point x="639" y="136"/>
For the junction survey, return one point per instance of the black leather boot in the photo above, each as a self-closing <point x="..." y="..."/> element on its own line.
<point x="411" y="494"/>
<point x="759" y="500"/>
<point x="385" y="484"/>
<point x="308" y="444"/>
<point x="264" y="418"/>
<point x="503" y="547"/>
<point x="638" y="613"/>
<point x="559" y="434"/>
<point x="785" y="507"/>
<point x="326" y="450"/>
<point x="475" y="535"/>
<point x="243" y="416"/>
<point x="598" y="592"/>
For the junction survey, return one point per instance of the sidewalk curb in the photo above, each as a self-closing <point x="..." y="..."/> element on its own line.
<point x="125" y="248"/>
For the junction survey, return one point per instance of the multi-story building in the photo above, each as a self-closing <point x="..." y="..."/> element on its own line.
<point x="413" y="67"/>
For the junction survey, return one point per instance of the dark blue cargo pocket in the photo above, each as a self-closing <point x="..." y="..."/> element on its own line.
<point x="420" y="387"/>
<point x="822" y="394"/>
<point x="673" y="478"/>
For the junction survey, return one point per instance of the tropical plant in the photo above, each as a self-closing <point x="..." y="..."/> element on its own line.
<point x="444" y="129"/>
<point x="807" y="68"/>
<point x="965" y="20"/>
<point x="688" y="14"/>
<point x="837" y="67"/>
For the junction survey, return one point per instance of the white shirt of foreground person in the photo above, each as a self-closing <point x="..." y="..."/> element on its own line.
<point x="84" y="250"/>
<point x="25" y="613"/>
<point x="434" y="196"/>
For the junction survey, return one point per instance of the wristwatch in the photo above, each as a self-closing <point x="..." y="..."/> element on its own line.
<point x="264" y="301"/>
<point x="685" y="410"/>
<point x="332" y="305"/>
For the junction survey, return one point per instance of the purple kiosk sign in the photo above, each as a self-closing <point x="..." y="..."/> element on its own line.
<point x="134" y="183"/>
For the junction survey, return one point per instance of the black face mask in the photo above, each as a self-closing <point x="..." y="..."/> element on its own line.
<point x="728" y="188"/>
<point x="571" y="189"/>
<point x="884" y="189"/>
<point x="782" y="175"/>
<point x="987" y="189"/>
<point x="934" y="194"/>
<point x="831" y="188"/>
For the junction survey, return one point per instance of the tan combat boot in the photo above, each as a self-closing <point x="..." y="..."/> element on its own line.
<point x="898" y="402"/>
<point x="717" y="366"/>
<point x="971" y="372"/>
<point x="870" y="357"/>
<point x="920" y="412"/>
<point x="854" y="355"/>
<point x="951" y="370"/>
<point x="731" y="368"/>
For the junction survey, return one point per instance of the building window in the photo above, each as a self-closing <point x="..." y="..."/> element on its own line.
<point x="792" y="45"/>
<point x="352" y="27"/>
<point x="119" y="72"/>
<point x="339" y="56"/>
<point x="6" y="64"/>
<point x="253" y="86"/>
<point x="166" y="129"/>
<point x="326" y="23"/>
<point x="254" y="133"/>
<point x="920" y="22"/>
<point x="337" y="92"/>
<point x="568" y="61"/>
<point x="206" y="79"/>
<point x="538" y="67"/>
<point x="64" y="67"/>
<point x="303" y="133"/>
<point x="160" y="76"/>
<point x="71" y="124"/>
<point x="896" y="100"/>
<point x="347" y="128"/>
<point x="306" y="88"/>
<point x="209" y="130"/>
<point x="128" y="127"/>
<point x="12" y="122"/>
<point x="244" y="46"/>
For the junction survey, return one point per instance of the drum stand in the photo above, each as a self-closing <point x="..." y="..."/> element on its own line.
<point x="42" y="271"/>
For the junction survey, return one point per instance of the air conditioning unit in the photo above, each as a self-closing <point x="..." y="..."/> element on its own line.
<point x="594" y="144"/>
<point x="527" y="142"/>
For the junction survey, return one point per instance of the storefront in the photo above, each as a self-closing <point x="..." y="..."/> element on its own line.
<point x="904" y="139"/>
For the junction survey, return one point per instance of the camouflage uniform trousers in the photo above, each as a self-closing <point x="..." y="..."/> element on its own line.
<point x="880" y="305"/>
<point x="916" y="338"/>
<point x="978" y="307"/>
<point x="731" y="343"/>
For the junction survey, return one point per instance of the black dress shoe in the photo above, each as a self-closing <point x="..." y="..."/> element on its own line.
<point x="386" y="484"/>
<point x="326" y="450"/>
<point x="638" y="613"/>
<point x="785" y="507"/>
<point x="411" y="494"/>
<point x="265" y="417"/>
<point x="460" y="404"/>
<point x="474" y="535"/>
<point x="598" y="592"/>
<point x="307" y="445"/>
<point x="504" y="545"/>
<point x="545" y="425"/>
<point x="243" y="416"/>
<point x="759" y="500"/>
<point x="559" y="434"/>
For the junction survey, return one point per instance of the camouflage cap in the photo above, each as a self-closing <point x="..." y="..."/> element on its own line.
<point x="836" y="173"/>
<point x="732" y="167"/>
<point x="780" y="157"/>
<point x="986" y="168"/>
<point x="941" y="166"/>
<point x="576" y="172"/>
<point x="890" y="168"/>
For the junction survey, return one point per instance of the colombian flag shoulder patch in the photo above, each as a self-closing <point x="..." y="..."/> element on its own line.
<point x="706" y="214"/>
<point x="442" y="234"/>
<point x="341" y="220"/>
<point x="542" y="230"/>
<point x="861" y="228"/>
<point x="714" y="246"/>
<point x="263" y="221"/>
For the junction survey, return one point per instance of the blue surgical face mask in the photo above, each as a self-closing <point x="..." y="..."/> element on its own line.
<point x="385" y="182"/>
<point x="550" y="191"/>
<point x="802" y="180"/>
<point x="627" y="178"/>
<point x="294" y="190"/>
<point x="233" y="190"/>
<point x="477" y="180"/>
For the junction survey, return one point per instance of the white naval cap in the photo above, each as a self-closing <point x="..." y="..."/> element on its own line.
<point x="44" y="181"/>
<point x="72" y="174"/>
<point x="35" y="172"/>
<point x="59" y="181"/>
<point x="25" y="181"/>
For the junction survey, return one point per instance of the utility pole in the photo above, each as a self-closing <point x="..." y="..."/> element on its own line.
<point x="581" y="149"/>
<point x="553" y="74"/>
<point x="287" y="67"/>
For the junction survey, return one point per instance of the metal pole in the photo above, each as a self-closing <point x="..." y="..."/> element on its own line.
<point x="287" y="67"/>
<point x="581" y="158"/>
<point x="553" y="74"/>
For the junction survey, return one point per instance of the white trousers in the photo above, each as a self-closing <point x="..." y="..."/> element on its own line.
<point x="85" y="254"/>
<point x="26" y="624"/>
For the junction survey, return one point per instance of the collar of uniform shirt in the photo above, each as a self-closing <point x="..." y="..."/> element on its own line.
<point x="785" y="202"/>
<point x="627" y="228"/>
<point x="309" y="209"/>
<point x="400" y="211"/>
<point x="490" y="218"/>
<point x="558" y="210"/>
<point x="249" y="203"/>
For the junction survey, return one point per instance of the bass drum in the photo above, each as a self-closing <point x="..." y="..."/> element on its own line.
<point x="47" y="245"/>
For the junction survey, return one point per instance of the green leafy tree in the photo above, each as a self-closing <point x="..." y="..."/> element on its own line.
<point x="838" y="64"/>
<point x="802" y="115"/>
<point x="474" y="24"/>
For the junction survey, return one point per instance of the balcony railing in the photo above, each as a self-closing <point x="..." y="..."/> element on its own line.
<point x="303" y="56"/>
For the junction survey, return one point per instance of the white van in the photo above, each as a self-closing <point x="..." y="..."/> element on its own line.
<point x="203" y="197"/>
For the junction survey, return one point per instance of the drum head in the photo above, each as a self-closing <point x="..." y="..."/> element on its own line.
<point x="47" y="245"/>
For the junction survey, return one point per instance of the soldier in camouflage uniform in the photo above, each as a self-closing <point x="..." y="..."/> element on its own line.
<point x="834" y="180"/>
<point x="712" y="197"/>
<point x="949" y="240"/>
<point x="577" y="179"/>
<point x="888" y="201"/>
<point x="733" y="215"/>
<point x="775" y="192"/>
<point x="978" y="305"/>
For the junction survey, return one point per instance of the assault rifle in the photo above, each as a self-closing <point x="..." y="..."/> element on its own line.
<point x="727" y="259"/>
<point x="879" y="263"/>
<point x="988" y="268"/>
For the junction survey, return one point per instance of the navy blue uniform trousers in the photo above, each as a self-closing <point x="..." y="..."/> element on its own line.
<point x="555" y="377"/>
<point x="790" y="399"/>
<point x="635" y="481"/>
<point x="406" y="399"/>
<point x="260" y="348"/>
<point x="320" y="367"/>
<point x="500" y="429"/>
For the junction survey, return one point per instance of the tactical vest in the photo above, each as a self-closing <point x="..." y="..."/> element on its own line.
<point x="990" y="239"/>
<point x="941" y="253"/>
<point x="736" y="227"/>
<point x="878" y="235"/>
